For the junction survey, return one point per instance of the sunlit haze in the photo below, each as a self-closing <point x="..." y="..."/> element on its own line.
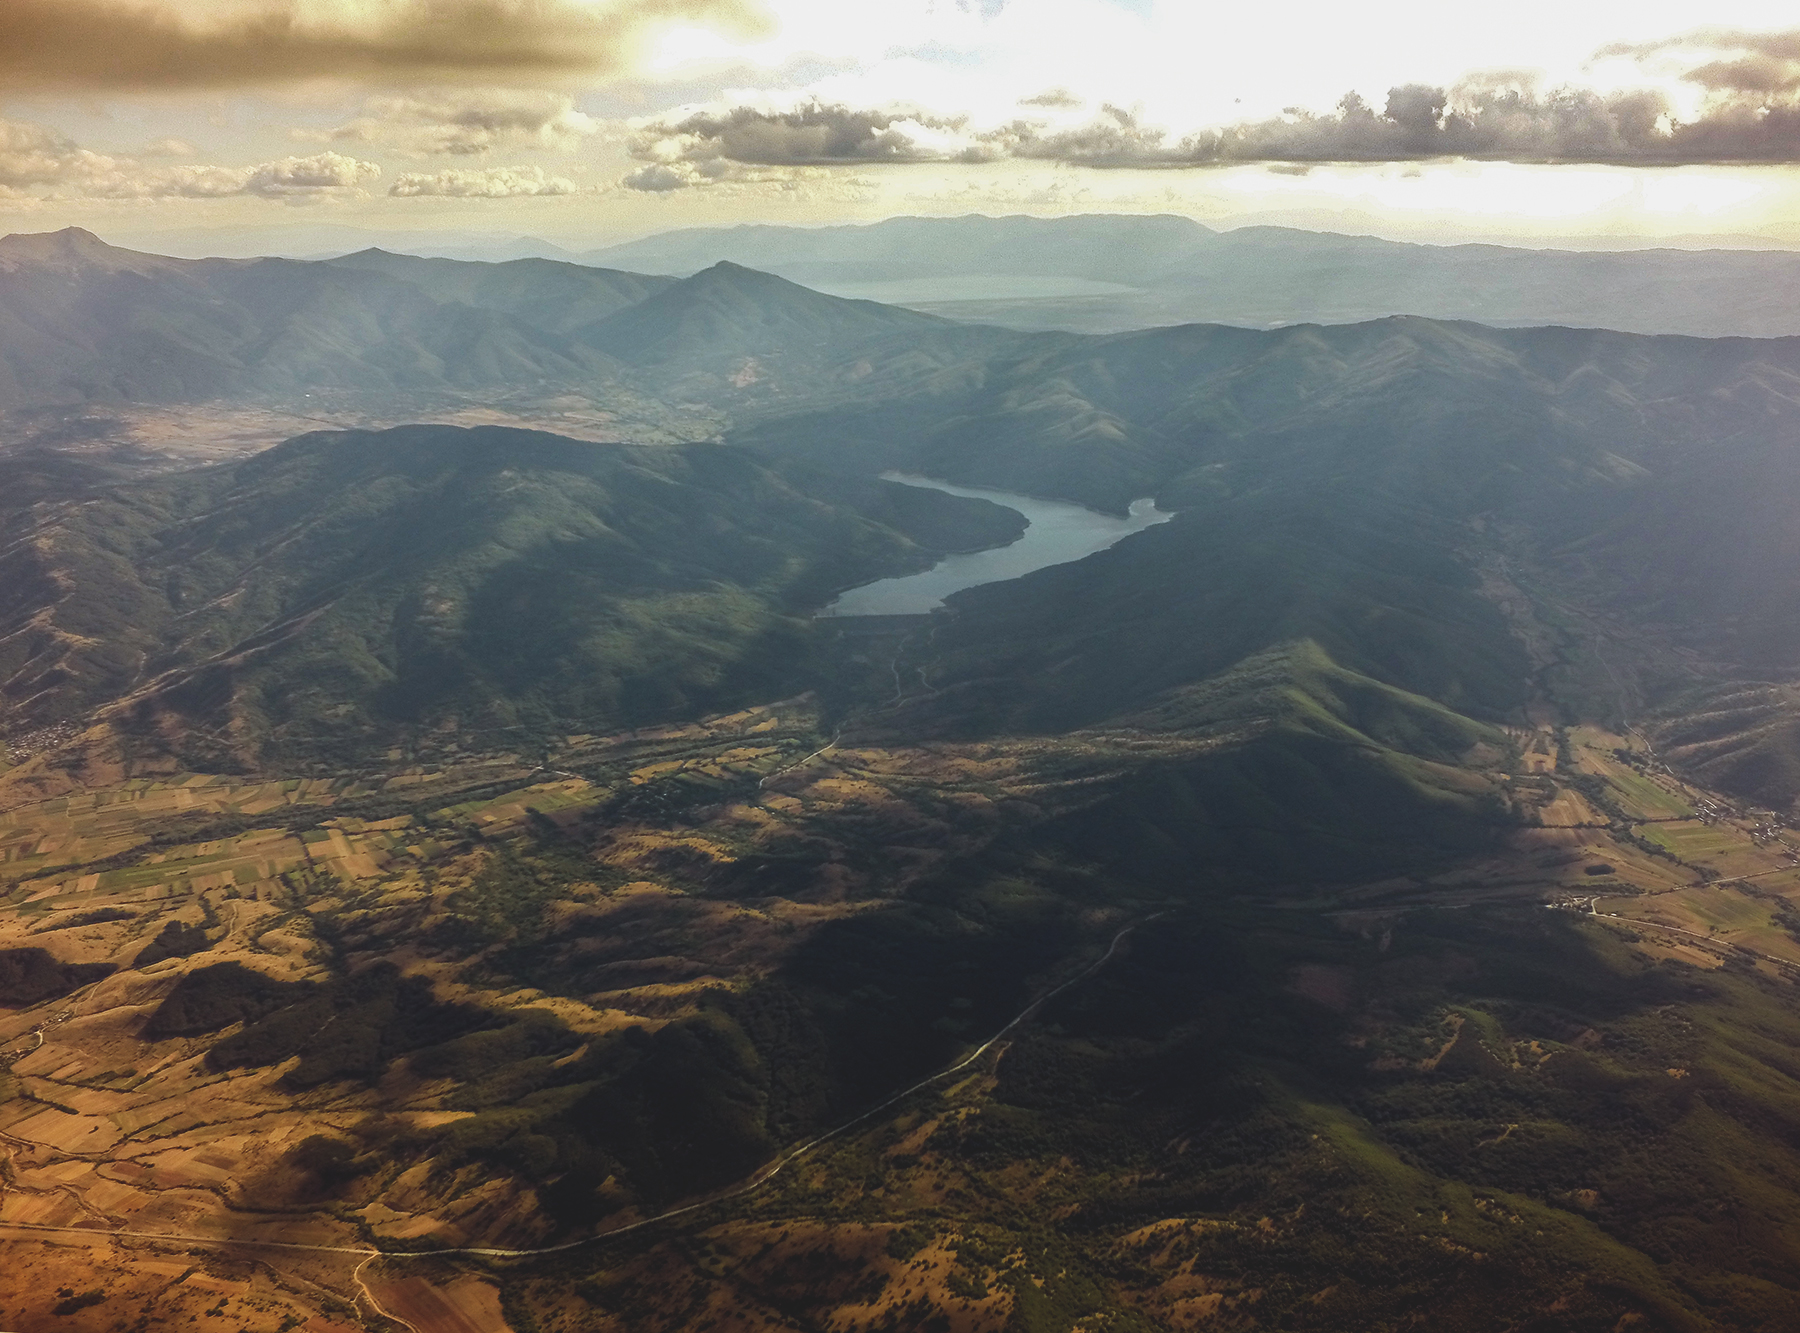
<point x="583" y="122"/>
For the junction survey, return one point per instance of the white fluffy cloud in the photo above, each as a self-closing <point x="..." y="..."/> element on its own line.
<point x="483" y="183"/>
<point x="37" y="160"/>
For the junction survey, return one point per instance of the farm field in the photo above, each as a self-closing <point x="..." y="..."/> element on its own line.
<point x="157" y="921"/>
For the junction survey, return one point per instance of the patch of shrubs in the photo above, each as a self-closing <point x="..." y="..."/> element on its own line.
<point x="349" y="1029"/>
<point x="30" y="976"/>
<point x="215" y="997"/>
<point x="73" y="1304"/>
<point x="176" y="939"/>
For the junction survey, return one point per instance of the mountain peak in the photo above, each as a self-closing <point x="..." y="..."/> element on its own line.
<point x="69" y="240"/>
<point x="71" y="247"/>
<point x="725" y="269"/>
<point x="729" y="309"/>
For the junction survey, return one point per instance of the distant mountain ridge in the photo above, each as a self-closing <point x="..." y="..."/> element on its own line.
<point x="82" y="322"/>
<point x="1354" y="477"/>
<point x="1182" y="272"/>
<point x="1644" y="477"/>
<point x="546" y="294"/>
<point x="1117" y="247"/>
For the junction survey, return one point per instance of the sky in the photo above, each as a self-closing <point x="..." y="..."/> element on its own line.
<point x="587" y="122"/>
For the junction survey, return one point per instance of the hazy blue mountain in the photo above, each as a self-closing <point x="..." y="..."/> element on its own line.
<point x="543" y="293"/>
<point x="729" y="310"/>
<point x="323" y="240"/>
<point x="1648" y="477"/>
<point x="759" y="344"/>
<point x="81" y="321"/>
<point x="1362" y="487"/>
<point x="1172" y="270"/>
<point x="1105" y="247"/>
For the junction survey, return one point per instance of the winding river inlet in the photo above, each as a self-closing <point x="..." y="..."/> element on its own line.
<point x="1057" y="533"/>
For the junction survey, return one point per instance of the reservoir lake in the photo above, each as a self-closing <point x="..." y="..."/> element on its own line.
<point x="1058" y="533"/>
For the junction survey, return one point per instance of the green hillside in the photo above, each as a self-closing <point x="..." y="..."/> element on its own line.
<point x="329" y="591"/>
<point x="455" y="839"/>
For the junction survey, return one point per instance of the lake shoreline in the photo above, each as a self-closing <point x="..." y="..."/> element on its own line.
<point x="1056" y="533"/>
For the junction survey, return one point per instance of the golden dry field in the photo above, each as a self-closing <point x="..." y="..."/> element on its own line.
<point x="140" y="1175"/>
<point x="109" y="1126"/>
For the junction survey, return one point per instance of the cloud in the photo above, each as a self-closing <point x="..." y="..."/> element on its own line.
<point x="1503" y="122"/>
<point x="298" y="176"/>
<point x="1055" y="97"/>
<point x="662" y="177"/>
<point x="809" y="132"/>
<point x="698" y="146"/>
<point x="1491" y="119"/>
<point x="35" y="159"/>
<point x="1742" y="63"/>
<point x="33" y="154"/>
<point x="466" y="124"/>
<point x="486" y="183"/>
<point x="294" y="180"/>
<point x="706" y="146"/>
<point x="109" y="45"/>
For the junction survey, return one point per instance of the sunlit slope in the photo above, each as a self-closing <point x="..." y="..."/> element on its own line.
<point x="346" y="582"/>
<point x="488" y="1004"/>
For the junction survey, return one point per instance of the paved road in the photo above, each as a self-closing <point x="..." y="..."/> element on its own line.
<point x="755" y="1182"/>
<point x="1710" y="939"/>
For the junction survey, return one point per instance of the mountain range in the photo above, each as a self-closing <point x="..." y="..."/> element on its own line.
<point x="1411" y="464"/>
<point x="1102" y="273"/>
<point x="86" y="323"/>
<point x="489" y="819"/>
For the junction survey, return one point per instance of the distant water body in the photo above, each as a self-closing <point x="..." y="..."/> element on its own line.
<point x="1058" y="533"/>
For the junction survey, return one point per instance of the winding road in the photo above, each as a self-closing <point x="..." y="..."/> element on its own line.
<point x="762" y="1177"/>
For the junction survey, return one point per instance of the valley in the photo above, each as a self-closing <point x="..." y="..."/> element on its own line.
<point x="126" y="1117"/>
<point x="454" y="865"/>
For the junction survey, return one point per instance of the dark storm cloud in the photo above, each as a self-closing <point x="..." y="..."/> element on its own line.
<point x="114" y="44"/>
